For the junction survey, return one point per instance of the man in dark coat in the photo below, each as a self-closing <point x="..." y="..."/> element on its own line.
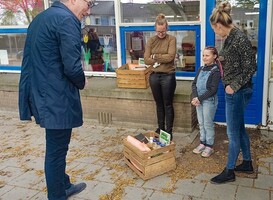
<point x="51" y="78"/>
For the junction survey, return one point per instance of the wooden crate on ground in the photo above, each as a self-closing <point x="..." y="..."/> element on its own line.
<point x="127" y="77"/>
<point x="150" y="164"/>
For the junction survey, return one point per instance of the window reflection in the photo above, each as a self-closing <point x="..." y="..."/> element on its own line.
<point x="11" y="46"/>
<point x="20" y="12"/>
<point x="134" y="12"/>
<point x="246" y="17"/>
<point x="102" y="20"/>
<point x="185" y="57"/>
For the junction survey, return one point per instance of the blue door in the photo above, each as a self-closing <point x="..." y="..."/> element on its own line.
<point x="254" y="22"/>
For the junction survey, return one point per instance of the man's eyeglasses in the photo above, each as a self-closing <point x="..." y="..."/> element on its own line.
<point x="161" y="32"/>
<point x="90" y="4"/>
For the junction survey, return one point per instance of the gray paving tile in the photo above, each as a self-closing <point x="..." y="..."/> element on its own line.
<point x="190" y="187"/>
<point x="195" y="198"/>
<point x="108" y="174"/>
<point x="247" y="182"/>
<point x="5" y="189"/>
<point x="100" y="189"/>
<point x="84" y="172"/>
<point x="29" y="180"/>
<point x="159" y="182"/>
<point x="19" y="193"/>
<point x="9" y="173"/>
<point x="135" y="193"/>
<point x="203" y="176"/>
<point x="89" y="160"/>
<point x="223" y="191"/>
<point x="252" y="193"/>
<point x="264" y="169"/>
<point x="269" y="159"/>
<point x="271" y="169"/>
<point x="40" y="196"/>
<point x="137" y="181"/>
<point x="161" y="195"/>
<point x="264" y="182"/>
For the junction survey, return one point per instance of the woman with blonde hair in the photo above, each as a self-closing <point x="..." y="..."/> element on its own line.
<point x="160" y="52"/>
<point x="239" y="66"/>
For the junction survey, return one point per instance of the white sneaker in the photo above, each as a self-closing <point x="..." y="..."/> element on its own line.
<point x="199" y="149"/>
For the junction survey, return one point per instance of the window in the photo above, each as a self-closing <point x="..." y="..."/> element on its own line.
<point x="11" y="49"/>
<point x="133" y="11"/>
<point x="246" y="17"/>
<point x="14" y="12"/>
<point x="113" y="21"/>
<point x="187" y="58"/>
<point x="102" y="20"/>
<point x="97" y="21"/>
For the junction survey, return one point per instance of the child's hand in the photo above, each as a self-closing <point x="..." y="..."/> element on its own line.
<point x="195" y="101"/>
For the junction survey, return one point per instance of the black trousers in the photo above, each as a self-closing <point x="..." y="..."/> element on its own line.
<point x="163" y="86"/>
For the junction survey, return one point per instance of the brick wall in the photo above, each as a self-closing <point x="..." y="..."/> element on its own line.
<point x="105" y="103"/>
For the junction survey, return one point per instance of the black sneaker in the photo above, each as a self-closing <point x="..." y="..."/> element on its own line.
<point x="75" y="189"/>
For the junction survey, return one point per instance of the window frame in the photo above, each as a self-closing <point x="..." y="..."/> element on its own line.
<point x="196" y="28"/>
<point x="10" y="30"/>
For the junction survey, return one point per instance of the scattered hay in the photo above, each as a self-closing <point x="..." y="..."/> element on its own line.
<point x="2" y="184"/>
<point x="90" y="177"/>
<point x="39" y="172"/>
<point x="118" y="191"/>
<point x="5" y="173"/>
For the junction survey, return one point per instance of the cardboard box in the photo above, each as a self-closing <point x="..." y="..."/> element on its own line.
<point x="132" y="76"/>
<point x="150" y="164"/>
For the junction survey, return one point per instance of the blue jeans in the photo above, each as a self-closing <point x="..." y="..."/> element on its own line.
<point x="163" y="87"/>
<point x="57" y="180"/>
<point x="205" y="115"/>
<point x="237" y="135"/>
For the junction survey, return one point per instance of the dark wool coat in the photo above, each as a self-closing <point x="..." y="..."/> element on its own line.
<point x="52" y="73"/>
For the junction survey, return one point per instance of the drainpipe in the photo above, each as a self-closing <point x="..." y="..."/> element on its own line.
<point x="267" y="63"/>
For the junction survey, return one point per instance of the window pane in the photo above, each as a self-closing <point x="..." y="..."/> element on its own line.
<point x="19" y="12"/>
<point x="246" y="17"/>
<point x="102" y="21"/>
<point x="185" y="57"/>
<point x="134" y="12"/>
<point x="11" y="49"/>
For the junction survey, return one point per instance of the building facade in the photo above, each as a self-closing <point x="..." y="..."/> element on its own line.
<point x="124" y="27"/>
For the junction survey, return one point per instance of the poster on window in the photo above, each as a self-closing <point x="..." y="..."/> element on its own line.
<point x="4" y="60"/>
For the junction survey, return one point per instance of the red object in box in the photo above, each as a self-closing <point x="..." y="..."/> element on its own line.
<point x="97" y="67"/>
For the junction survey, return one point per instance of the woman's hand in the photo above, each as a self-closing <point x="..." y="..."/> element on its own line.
<point x="229" y="90"/>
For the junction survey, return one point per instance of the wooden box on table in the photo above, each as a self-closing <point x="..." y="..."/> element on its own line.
<point x="133" y="76"/>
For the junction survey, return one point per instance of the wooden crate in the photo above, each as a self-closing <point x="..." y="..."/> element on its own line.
<point x="150" y="164"/>
<point x="128" y="78"/>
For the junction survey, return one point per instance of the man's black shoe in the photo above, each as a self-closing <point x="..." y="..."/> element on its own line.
<point x="75" y="189"/>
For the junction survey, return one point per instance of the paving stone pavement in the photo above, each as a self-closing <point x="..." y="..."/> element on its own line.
<point x="96" y="158"/>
